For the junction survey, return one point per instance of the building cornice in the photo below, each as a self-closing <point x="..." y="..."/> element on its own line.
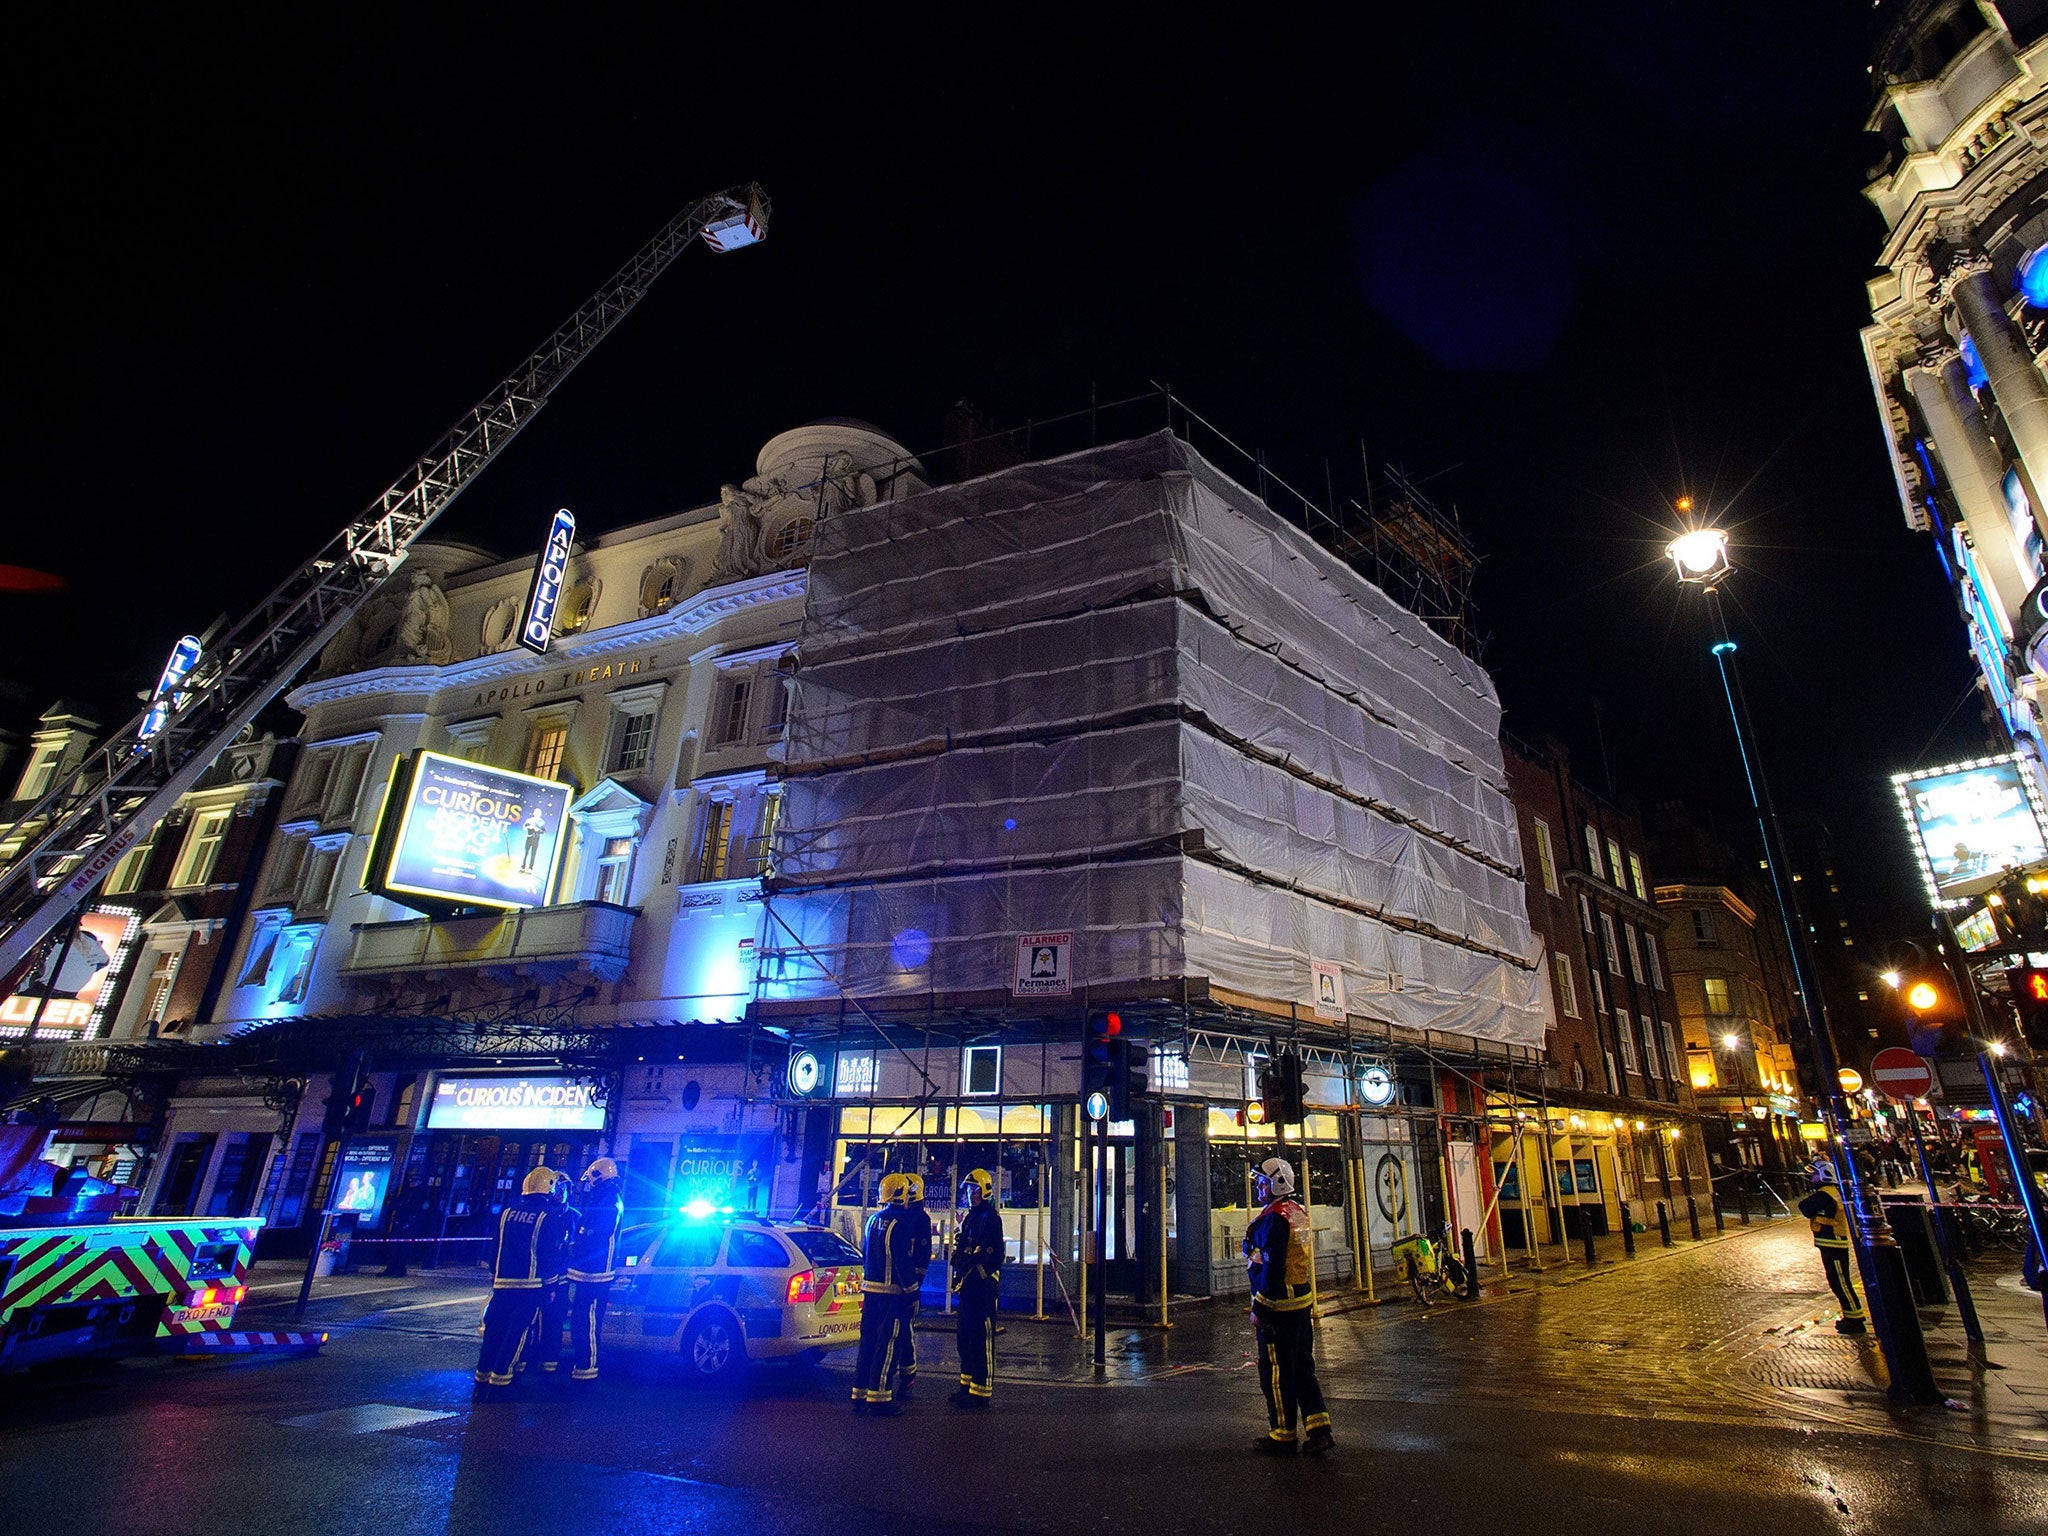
<point x="690" y="617"/>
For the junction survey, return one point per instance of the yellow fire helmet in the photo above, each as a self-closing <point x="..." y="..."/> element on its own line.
<point x="896" y="1188"/>
<point x="916" y="1186"/>
<point x="603" y="1168"/>
<point x="979" y="1178"/>
<point x="539" y="1182"/>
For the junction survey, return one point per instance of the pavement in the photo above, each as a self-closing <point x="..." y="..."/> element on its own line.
<point x="1701" y="1388"/>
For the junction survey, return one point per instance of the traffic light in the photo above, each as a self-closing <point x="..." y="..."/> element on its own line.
<point x="1098" y="1063"/>
<point x="2029" y="985"/>
<point x="1291" y="1088"/>
<point x="1127" y="1078"/>
<point x="353" y="1098"/>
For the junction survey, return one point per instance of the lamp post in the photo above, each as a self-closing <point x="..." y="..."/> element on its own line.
<point x="1701" y="557"/>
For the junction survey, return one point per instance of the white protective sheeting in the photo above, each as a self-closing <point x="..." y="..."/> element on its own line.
<point x="1115" y="694"/>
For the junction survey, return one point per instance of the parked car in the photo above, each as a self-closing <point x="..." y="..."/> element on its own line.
<point x="728" y="1290"/>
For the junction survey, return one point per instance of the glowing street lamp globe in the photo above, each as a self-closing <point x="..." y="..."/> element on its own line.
<point x="1701" y="555"/>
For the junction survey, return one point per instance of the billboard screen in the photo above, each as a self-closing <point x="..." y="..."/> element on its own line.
<point x="514" y="1104"/>
<point x="70" y="995"/>
<point x="1971" y="823"/>
<point x="462" y="834"/>
<point x="363" y="1181"/>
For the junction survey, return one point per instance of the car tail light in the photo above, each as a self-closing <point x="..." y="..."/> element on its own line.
<point x="809" y="1286"/>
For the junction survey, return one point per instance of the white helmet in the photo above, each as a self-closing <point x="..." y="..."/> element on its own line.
<point x="1278" y="1174"/>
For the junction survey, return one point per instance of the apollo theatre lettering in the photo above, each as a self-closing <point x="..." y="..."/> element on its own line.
<point x="537" y="626"/>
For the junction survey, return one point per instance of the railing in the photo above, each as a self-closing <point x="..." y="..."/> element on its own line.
<point x="593" y="934"/>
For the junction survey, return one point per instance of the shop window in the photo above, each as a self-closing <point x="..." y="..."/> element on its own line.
<point x="714" y="840"/>
<point x="1546" y="859"/>
<point x="546" y="745"/>
<point x="1567" y="993"/>
<point x="981" y="1071"/>
<point x="615" y="870"/>
<point x="201" y="850"/>
<point x="735" y="694"/>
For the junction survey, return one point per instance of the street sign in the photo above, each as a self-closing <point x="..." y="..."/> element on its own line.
<point x="1901" y="1074"/>
<point x="1850" y="1079"/>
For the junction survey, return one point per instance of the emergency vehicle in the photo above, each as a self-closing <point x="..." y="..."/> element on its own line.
<point x="78" y="1281"/>
<point x="724" y="1291"/>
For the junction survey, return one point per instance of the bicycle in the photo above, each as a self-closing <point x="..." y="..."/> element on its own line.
<point x="1433" y="1268"/>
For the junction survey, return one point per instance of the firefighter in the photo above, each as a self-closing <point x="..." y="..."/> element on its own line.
<point x="1279" y="1251"/>
<point x="907" y="1371"/>
<point x="533" y="1233"/>
<point x="898" y="1250"/>
<point x="593" y="1262"/>
<point x="544" y="1343"/>
<point x="1829" y="1218"/>
<point x="977" y="1268"/>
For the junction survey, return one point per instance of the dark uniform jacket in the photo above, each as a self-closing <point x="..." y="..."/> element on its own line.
<point x="1279" y="1253"/>
<point x="1829" y="1218"/>
<point x="978" y="1245"/>
<point x="594" y="1254"/>
<point x="899" y="1250"/>
<point x="533" y="1243"/>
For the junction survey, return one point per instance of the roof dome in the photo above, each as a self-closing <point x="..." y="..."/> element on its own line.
<point x="799" y="454"/>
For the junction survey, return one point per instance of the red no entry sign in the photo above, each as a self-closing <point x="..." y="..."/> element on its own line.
<point x="1898" y="1073"/>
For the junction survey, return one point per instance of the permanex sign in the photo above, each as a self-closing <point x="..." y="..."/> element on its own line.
<point x="544" y="596"/>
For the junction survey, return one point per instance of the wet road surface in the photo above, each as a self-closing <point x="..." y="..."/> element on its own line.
<point x="1702" y="1390"/>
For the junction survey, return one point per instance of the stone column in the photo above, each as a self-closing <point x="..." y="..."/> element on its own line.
<point x="1941" y="387"/>
<point x="2021" y="392"/>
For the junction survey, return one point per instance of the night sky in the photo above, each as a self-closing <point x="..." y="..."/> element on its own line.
<point x="1566" y="265"/>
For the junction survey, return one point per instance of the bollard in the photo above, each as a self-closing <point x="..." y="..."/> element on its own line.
<point x="1720" y="1221"/>
<point x="1742" y="1203"/>
<point x="1692" y="1216"/>
<point x="1586" y="1232"/>
<point x="1628" y="1233"/>
<point x="1471" y="1264"/>
<point x="1664" y="1223"/>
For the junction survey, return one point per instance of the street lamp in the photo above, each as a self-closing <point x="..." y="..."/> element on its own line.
<point x="1700" y="555"/>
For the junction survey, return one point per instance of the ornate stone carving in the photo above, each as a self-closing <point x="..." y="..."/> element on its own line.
<point x="846" y="485"/>
<point x="739" y="536"/>
<point x="499" y="622"/>
<point x="423" y="624"/>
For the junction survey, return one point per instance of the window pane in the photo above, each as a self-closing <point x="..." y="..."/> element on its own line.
<point x="732" y="725"/>
<point x="544" y="747"/>
<point x="636" y="743"/>
<point x="1567" y="994"/>
<point x="202" y="848"/>
<point x="754" y="1250"/>
<point x="714" y="848"/>
<point x="1545" y="859"/>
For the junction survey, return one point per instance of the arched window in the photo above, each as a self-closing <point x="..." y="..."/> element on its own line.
<point x="791" y="537"/>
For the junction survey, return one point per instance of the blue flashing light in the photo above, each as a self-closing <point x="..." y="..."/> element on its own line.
<point x="2034" y="278"/>
<point x="911" y="948"/>
<point x="1009" y="823"/>
<point x="1724" y="647"/>
<point x="697" y="1210"/>
<point x="1973" y="365"/>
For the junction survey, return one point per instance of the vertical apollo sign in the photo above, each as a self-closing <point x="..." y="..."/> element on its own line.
<point x="537" y="622"/>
